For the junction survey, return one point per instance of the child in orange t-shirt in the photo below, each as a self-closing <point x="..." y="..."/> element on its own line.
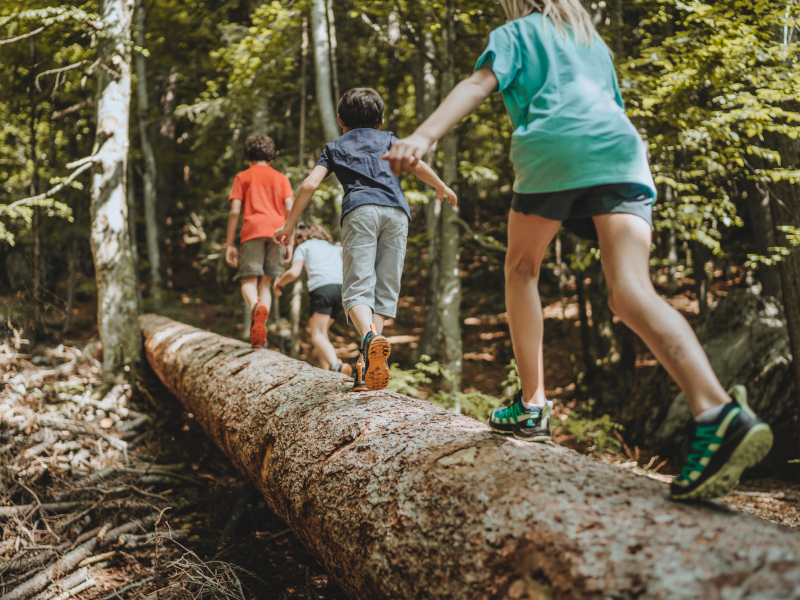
<point x="266" y="197"/>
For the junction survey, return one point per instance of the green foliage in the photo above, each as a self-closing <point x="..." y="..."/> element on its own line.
<point x="598" y="432"/>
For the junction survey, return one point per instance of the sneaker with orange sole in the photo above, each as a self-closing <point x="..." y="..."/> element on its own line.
<point x="376" y="349"/>
<point x="258" y="326"/>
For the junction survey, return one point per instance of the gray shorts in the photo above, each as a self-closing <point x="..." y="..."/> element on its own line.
<point x="260" y="256"/>
<point x="374" y="240"/>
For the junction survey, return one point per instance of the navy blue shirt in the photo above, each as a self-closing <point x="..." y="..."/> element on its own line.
<point x="355" y="158"/>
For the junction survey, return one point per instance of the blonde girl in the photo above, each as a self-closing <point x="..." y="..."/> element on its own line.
<point x="323" y="262"/>
<point x="580" y="163"/>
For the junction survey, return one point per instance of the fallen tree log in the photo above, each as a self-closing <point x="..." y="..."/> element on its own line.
<point x="398" y="498"/>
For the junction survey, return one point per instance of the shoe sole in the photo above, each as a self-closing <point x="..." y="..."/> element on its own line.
<point x="535" y="438"/>
<point x="750" y="451"/>
<point x="258" y="332"/>
<point x="377" y="377"/>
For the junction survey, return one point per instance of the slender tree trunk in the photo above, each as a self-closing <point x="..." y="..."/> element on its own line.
<point x="450" y="300"/>
<point x="116" y="302"/>
<point x="619" y="23"/>
<point x="297" y="301"/>
<point x="73" y="264"/>
<point x="131" y="193"/>
<point x="322" y="57"/>
<point x="398" y="498"/>
<point x="166" y="177"/>
<point x="587" y="351"/>
<point x="763" y="228"/>
<point x="337" y="92"/>
<point x="425" y="82"/>
<point x="149" y="174"/>
<point x="672" y="251"/>
<point x="38" y="326"/>
<point x="303" y="92"/>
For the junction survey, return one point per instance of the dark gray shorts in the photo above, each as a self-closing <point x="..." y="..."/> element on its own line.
<point x="260" y="256"/>
<point x="575" y="208"/>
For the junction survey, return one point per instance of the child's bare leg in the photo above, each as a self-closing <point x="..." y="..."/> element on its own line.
<point x="625" y="251"/>
<point x="265" y="290"/>
<point x="319" y="324"/>
<point x="528" y="238"/>
<point x="250" y="290"/>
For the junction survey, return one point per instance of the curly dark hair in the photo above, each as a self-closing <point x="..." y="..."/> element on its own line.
<point x="259" y="147"/>
<point x="361" y="108"/>
<point x="310" y="231"/>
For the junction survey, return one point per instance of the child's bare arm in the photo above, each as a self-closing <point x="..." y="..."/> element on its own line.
<point x="288" y="202"/>
<point x="289" y="276"/>
<point x="462" y="100"/>
<point x="426" y="174"/>
<point x="283" y="235"/>
<point x="231" y="253"/>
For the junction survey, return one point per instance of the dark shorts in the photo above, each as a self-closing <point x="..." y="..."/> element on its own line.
<point x="326" y="300"/>
<point x="575" y="208"/>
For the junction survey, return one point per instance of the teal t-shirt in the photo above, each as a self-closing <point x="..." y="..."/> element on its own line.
<point x="570" y="127"/>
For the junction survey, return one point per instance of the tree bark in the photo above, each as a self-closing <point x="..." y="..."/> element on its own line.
<point x="337" y="92"/>
<point x="149" y="175"/>
<point x="38" y="322"/>
<point x="763" y="231"/>
<point x="116" y="302"/>
<point x="450" y="296"/>
<point x="322" y="57"/>
<point x="303" y="92"/>
<point x="131" y="194"/>
<point x="398" y="498"/>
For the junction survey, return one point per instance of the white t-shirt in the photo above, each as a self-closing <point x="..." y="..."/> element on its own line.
<point x="323" y="261"/>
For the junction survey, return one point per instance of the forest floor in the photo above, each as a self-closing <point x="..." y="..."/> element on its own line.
<point x="121" y="457"/>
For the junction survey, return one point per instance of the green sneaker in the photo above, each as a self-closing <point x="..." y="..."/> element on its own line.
<point x="528" y="424"/>
<point x="721" y="450"/>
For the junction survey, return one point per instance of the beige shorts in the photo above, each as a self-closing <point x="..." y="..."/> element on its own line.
<point x="260" y="256"/>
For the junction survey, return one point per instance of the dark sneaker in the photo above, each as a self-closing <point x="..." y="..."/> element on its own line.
<point x="258" y="325"/>
<point x="376" y="350"/>
<point x="342" y="368"/>
<point x="529" y="424"/>
<point x="536" y="429"/>
<point x="358" y="382"/>
<point x="721" y="450"/>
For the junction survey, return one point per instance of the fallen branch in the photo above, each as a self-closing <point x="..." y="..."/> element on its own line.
<point x="23" y="36"/>
<point x="132" y="586"/>
<point x="74" y="108"/>
<point x="398" y="498"/>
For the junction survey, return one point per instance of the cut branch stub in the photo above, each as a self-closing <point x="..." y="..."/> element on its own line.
<point x="401" y="499"/>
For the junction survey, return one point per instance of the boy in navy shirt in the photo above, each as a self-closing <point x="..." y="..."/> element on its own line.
<point x="375" y="218"/>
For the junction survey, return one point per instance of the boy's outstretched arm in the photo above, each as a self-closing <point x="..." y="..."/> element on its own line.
<point x="462" y="100"/>
<point x="231" y="253"/>
<point x="289" y="276"/>
<point x="283" y="236"/>
<point x="426" y="174"/>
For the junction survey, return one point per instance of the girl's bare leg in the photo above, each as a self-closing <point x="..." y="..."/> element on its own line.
<point x="265" y="290"/>
<point x="528" y="238"/>
<point x="625" y="251"/>
<point x="319" y="324"/>
<point x="250" y="290"/>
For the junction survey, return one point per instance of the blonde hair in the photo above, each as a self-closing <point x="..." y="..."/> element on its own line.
<point x="310" y="231"/>
<point x="562" y="13"/>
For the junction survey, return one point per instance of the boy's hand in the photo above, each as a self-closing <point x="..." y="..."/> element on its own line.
<point x="283" y="235"/>
<point x="445" y="193"/>
<point x="405" y="154"/>
<point x="278" y="288"/>
<point x="232" y="256"/>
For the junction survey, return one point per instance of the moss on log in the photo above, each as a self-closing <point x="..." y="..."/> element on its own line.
<point x="398" y="498"/>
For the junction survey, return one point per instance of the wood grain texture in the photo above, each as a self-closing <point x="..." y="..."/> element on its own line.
<point x="398" y="498"/>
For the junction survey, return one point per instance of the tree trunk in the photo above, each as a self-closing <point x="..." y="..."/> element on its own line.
<point x="294" y="315"/>
<point x="425" y="84"/>
<point x="398" y="498"/>
<point x="116" y="301"/>
<point x="337" y="92"/>
<point x="131" y="194"/>
<point x="450" y="298"/>
<point x="149" y="175"/>
<point x="322" y="57"/>
<point x="303" y="92"/>
<point x="763" y="231"/>
<point x="73" y="264"/>
<point x="38" y="322"/>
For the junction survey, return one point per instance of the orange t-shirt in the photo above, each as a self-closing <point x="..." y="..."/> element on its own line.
<point x="262" y="191"/>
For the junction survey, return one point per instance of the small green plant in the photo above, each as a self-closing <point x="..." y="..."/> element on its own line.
<point x="599" y="431"/>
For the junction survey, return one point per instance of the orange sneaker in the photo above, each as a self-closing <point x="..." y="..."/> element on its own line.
<point x="376" y="350"/>
<point x="258" y="325"/>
